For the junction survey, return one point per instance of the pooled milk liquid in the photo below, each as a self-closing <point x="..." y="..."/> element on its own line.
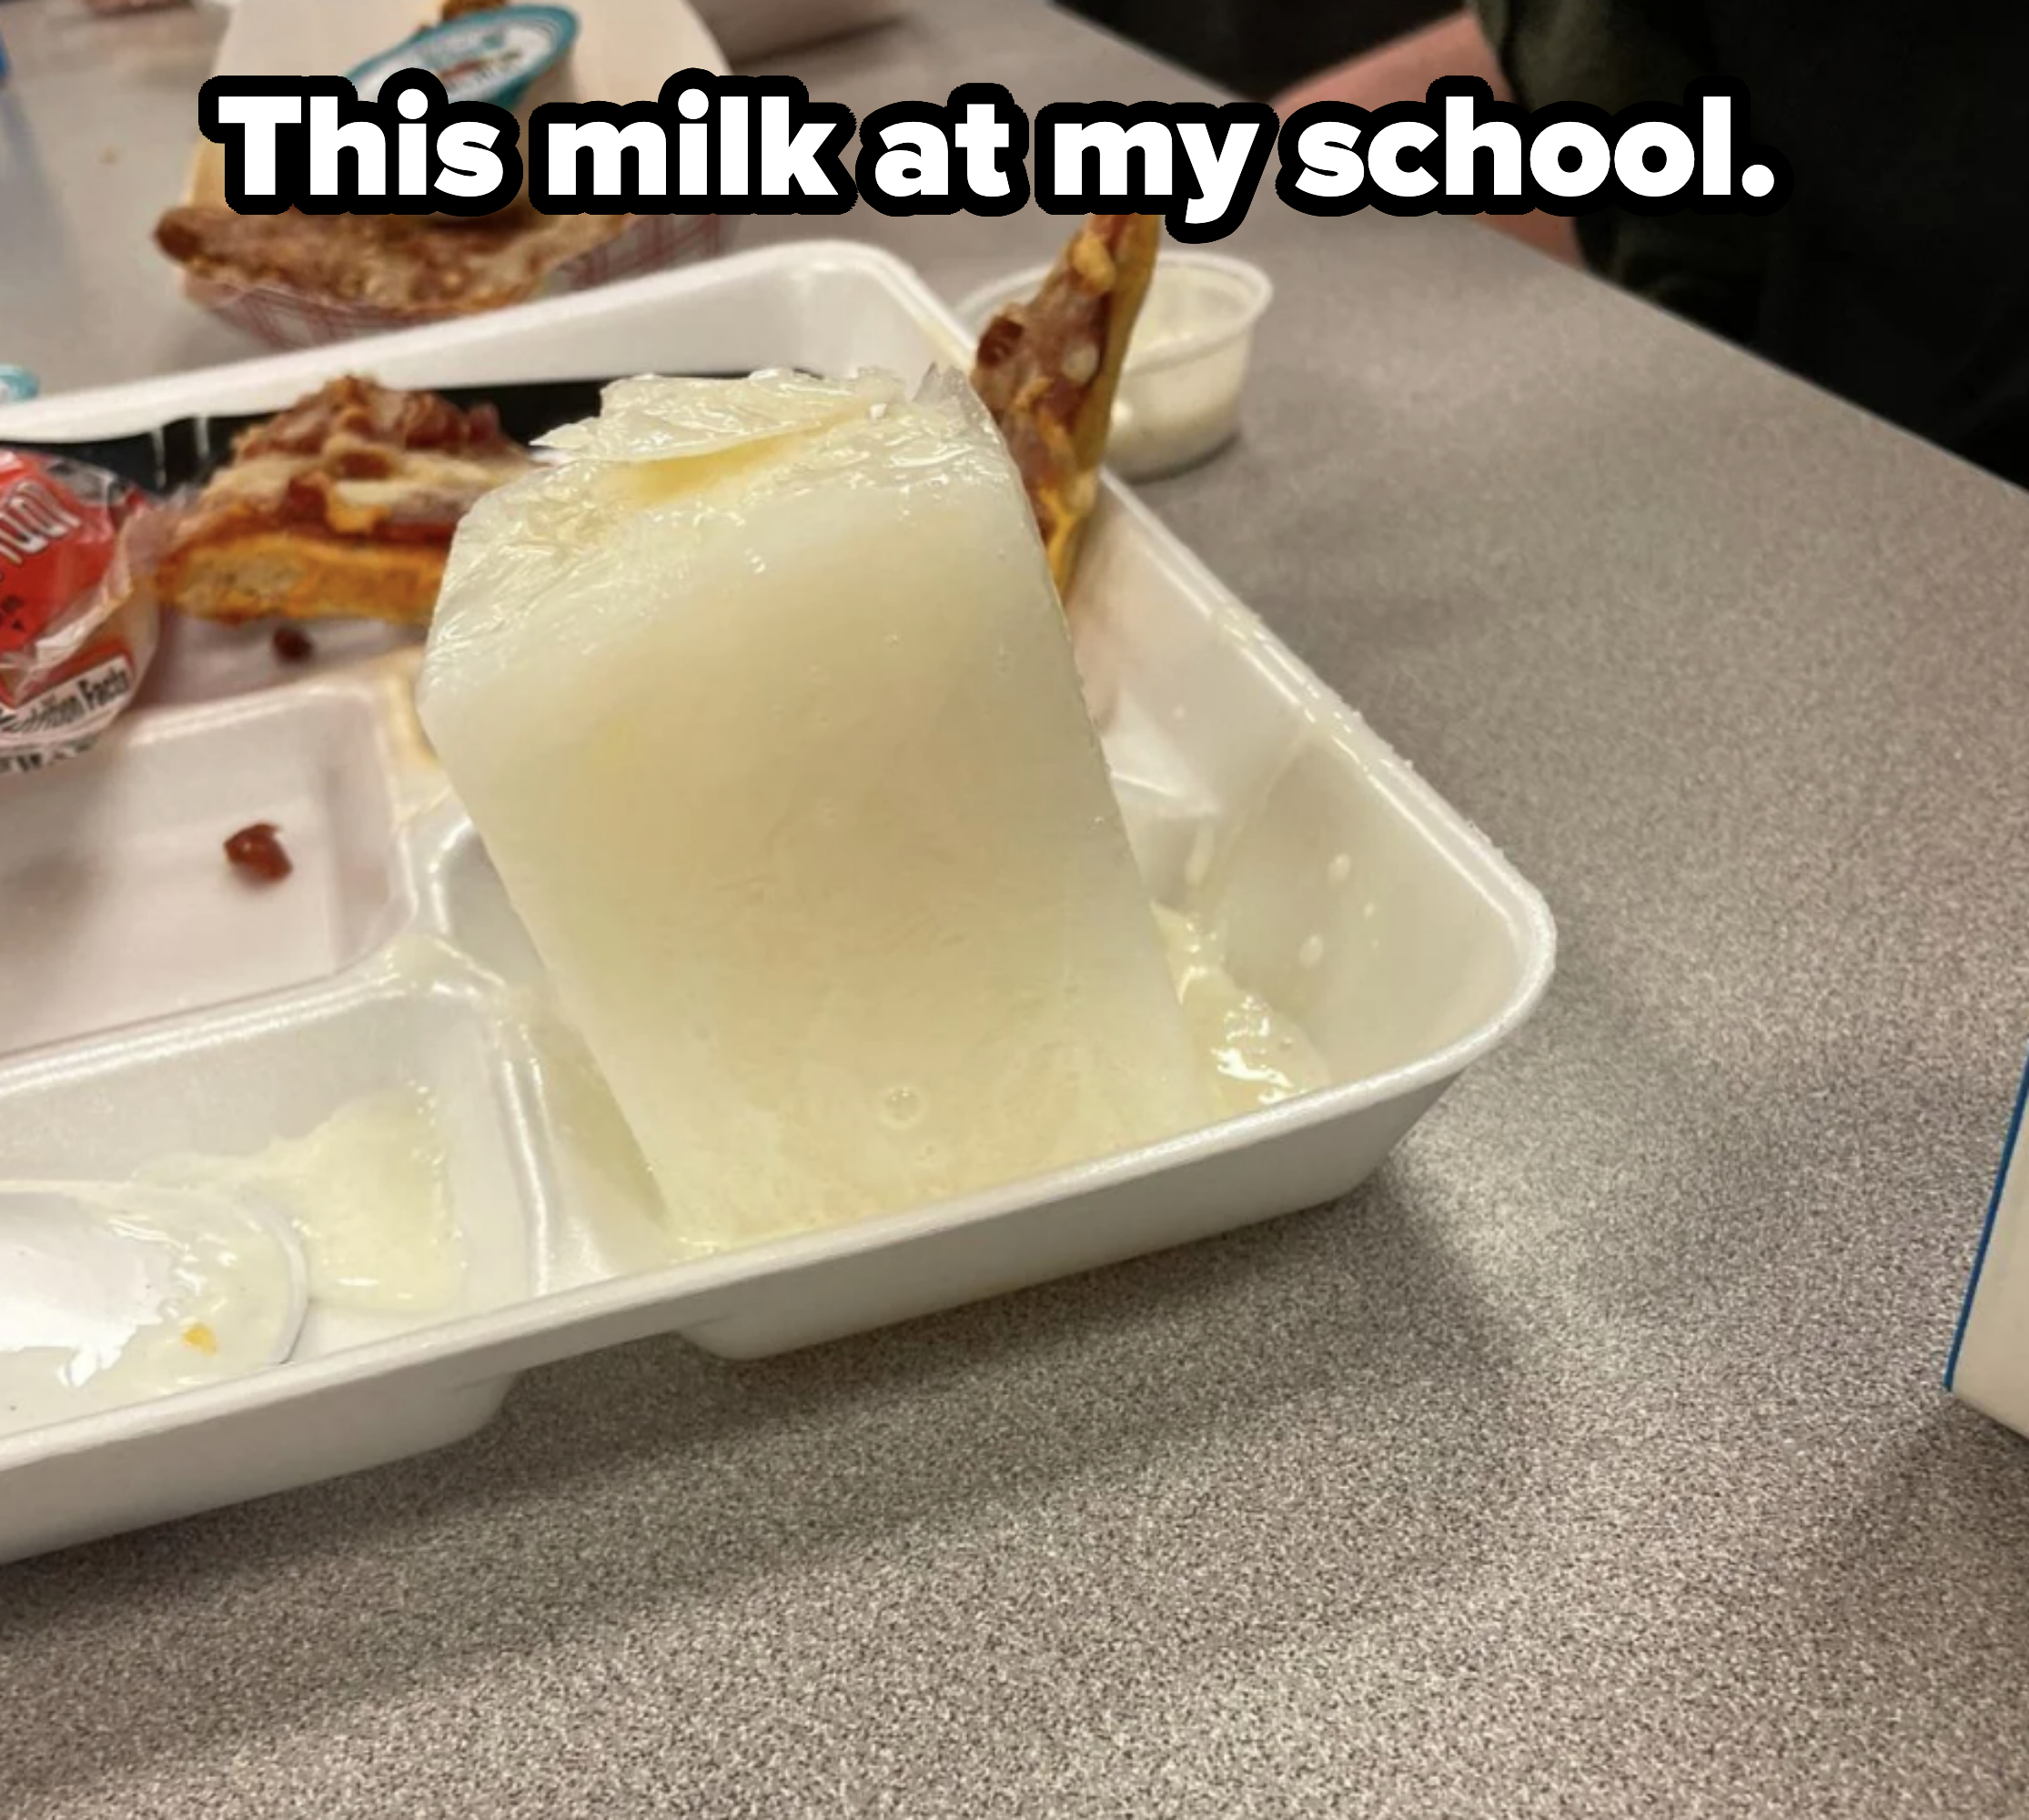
<point x="1257" y="1055"/>
<point x="366" y="1193"/>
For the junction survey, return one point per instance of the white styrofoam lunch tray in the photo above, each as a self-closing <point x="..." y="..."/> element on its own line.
<point x="150" y="1004"/>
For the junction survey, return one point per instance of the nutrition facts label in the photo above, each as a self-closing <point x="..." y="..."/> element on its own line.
<point x="80" y="708"/>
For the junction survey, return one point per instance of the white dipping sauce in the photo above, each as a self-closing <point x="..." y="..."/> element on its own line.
<point x="1179" y="397"/>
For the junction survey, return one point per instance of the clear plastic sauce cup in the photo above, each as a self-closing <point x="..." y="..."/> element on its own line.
<point x="1179" y="397"/>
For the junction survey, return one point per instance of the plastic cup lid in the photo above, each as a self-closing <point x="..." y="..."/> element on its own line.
<point x="485" y="56"/>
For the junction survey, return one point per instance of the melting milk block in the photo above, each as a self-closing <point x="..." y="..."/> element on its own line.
<point x="765" y="707"/>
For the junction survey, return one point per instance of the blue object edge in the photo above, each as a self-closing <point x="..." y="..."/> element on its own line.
<point x="1986" y="1230"/>
<point x="561" y="17"/>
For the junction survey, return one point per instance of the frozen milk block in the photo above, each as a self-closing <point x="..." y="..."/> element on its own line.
<point x="765" y="707"/>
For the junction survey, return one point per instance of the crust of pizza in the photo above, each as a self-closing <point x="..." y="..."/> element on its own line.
<point x="298" y="574"/>
<point x="403" y="264"/>
<point x="1047" y="370"/>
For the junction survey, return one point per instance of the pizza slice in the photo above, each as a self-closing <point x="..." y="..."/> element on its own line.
<point x="343" y="507"/>
<point x="423" y="266"/>
<point x="405" y="265"/>
<point x="1048" y="368"/>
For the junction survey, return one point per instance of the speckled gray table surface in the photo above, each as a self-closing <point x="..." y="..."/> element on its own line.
<point x="1592" y="1460"/>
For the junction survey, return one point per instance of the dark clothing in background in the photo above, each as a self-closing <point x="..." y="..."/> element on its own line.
<point x="1898" y="272"/>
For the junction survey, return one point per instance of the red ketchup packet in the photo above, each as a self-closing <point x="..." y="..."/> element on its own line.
<point x="78" y="619"/>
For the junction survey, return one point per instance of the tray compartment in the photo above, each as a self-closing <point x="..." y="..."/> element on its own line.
<point x="1338" y="910"/>
<point x="229" y="1085"/>
<point x="118" y="904"/>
